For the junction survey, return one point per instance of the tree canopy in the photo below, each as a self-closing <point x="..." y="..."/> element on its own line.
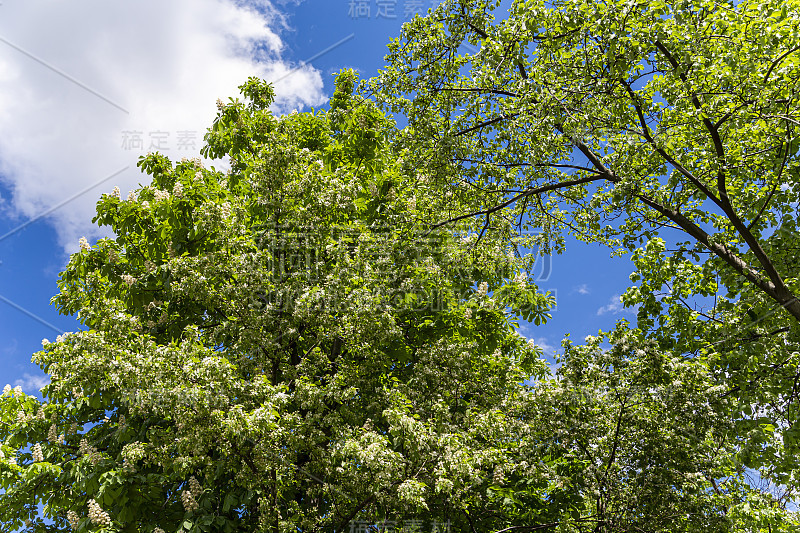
<point x="325" y="336"/>
<point x="666" y="130"/>
<point x="281" y="347"/>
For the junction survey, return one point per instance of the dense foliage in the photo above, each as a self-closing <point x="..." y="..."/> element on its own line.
<point x="667" y="130"/>
<point x="324" y="337"/>
<point x="281" y="347"/>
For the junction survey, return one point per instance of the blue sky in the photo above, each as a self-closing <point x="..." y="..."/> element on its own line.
<point x="86" y="87"/>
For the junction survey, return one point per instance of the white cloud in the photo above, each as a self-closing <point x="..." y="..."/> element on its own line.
<point x="582" y="289"/>
<point x="614" y="306"/>
<point x="31" y="384"/>
<point x="69" y="69"/>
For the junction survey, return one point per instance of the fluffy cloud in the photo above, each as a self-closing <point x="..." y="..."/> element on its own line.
<point x="31" y="384"/>
<point x="83" y="83"/>
<point x="615" y="307"/>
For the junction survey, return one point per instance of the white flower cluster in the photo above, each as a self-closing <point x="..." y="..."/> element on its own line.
<point x="22" y="417"/>
<point x="73" y="519"/>
<point x="194" y="487"/>
<point x="412" y="491"/>
<point x="159" y="195"/>
<point x="84" y="244"/>
<point x="468" y="313"/>
<point x="7" y="389"/>
<point x="189" y="501"/>
<point x="38" y="456"/>
<point x="498" y="476"/>
<point x="177" y="190"/>
<point x="115" y="192"/>
<point x="521" y="278"/>
<point x="97" y="515"/>
<point x="483" y="289"/>
<point x="128" y="279"/>
<point x="52" y="434"/>
<point x="89" y="451"/>
<point x="158" y="530"/>
<point x="132" y="196"/>
<point x="225" y="209"/>
<point x="131" y="453"/>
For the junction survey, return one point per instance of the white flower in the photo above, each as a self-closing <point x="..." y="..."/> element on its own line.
<point x="195" y="488"/>
<point x="132" y="196"/>
<point x="177" y="190"/>
<point x="115" y="192"/>
<point x="38" y="456"/>
<point x="97" y="515"/>
<point x="483" y="288"/>
<point x="189" y="502"/>
<point x="220" y="107"/>
<point x="12" y="461"/>
<point x="127" y="278"/>
<point x="7" y="389"/>
<point x="17" y="391"/>
<point x="84" y="244"/>
<point x="73" y="519"/>
<point x="145" y="205"/>
<point x="45" y="342"/>
<point x="159" y="195"/>
<point x="498" y="475"/>
<point x="52" y="434"/>
<point x="522" y="277"/>
<point x="468" y="313"/>
<point x="84" y="447"/>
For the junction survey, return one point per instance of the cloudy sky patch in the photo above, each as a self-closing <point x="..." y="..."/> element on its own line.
<point x="87" y="87"/>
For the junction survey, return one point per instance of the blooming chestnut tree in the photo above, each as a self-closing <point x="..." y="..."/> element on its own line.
<point x="285" y="346"/>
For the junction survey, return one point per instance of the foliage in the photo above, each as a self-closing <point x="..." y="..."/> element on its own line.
<point x="663" y="129"/>
<point x="282" y="347"/>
